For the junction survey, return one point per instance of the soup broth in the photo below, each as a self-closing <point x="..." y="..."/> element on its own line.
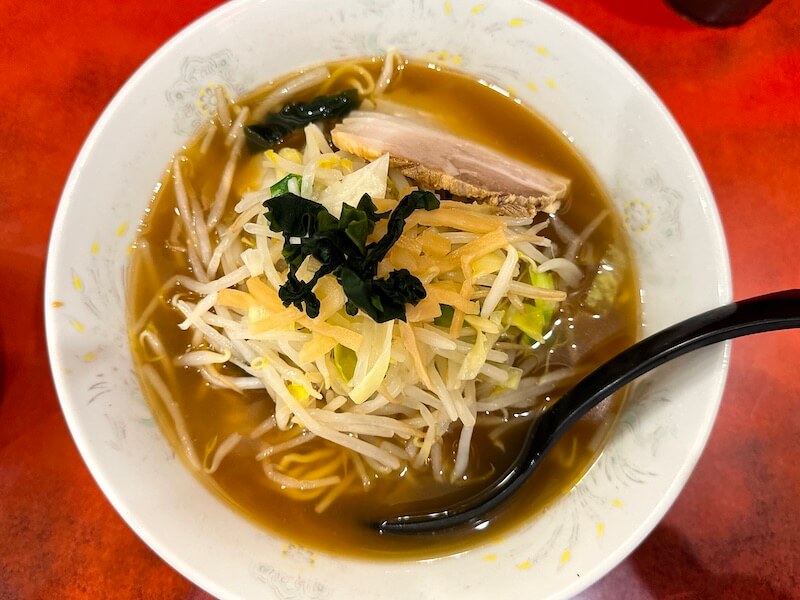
<point x="585" y="334"/>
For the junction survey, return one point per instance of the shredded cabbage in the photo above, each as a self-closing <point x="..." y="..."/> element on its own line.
<point x="370" y="179"/>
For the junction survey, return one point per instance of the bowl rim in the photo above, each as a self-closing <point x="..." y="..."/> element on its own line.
<point x="117" y="500"/>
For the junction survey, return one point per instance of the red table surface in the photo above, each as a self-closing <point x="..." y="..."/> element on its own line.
<point x="733" y="532"/>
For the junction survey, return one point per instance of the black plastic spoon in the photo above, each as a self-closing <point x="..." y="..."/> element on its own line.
<point x="780" y="310"/>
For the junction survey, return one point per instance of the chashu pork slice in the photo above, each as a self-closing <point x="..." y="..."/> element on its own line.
<point x="439" y="160"/>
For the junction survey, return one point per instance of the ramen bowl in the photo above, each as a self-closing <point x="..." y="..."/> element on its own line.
<point x="552" y="64"/>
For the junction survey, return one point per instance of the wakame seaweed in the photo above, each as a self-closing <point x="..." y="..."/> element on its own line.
<point x="297" y="115"/>
<point x="340" y="245"/>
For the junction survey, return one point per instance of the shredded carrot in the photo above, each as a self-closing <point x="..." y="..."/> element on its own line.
<point x="448" y="297"/>
<point x="456" y="324"/>
<point x="464" y="220"/>
<point x="486" y="244"/>
<point x="412" y="245"/>
<point x="493" y="240"/>
<point x="381" y="227"/>
<point x="316" y="348"/>
<point x="264" y="294"/>
<point x="449" y="285"/>
<point x="345" y="337"/>
<point x="403" y="258"/>
<point x="458" y="315"/>
<point x="384" y="204"/>
<point x="410" y="343"/>
<point x="425" y="311"/>
<point x="283" y="319"/>
<point x="435" y="244"/>
<point x="235" y="299"/>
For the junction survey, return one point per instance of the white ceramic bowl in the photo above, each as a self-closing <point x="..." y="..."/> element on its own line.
<point x="569" y="76"/>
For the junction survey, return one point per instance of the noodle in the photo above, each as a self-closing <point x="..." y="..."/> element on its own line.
<point x="384" y="80"/>
<point x="222" y="107"/>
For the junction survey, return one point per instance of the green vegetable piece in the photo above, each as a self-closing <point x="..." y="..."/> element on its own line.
<point x="446" y="318"/>
<point x="531" y="321"/>
<point x="297" y="115"/>
<point x="546" y="281"/>
<point x="514" y="375"/>
<point x="282" y="187"/>
<point x="344" y="359"/>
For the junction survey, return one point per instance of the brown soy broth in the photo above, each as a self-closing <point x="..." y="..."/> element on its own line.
<point x="473" y="110"/>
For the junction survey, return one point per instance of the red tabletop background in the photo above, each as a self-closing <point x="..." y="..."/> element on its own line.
<point x="735" y="530"/>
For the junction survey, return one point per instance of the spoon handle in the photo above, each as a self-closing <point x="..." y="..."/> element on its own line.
<point x="779" y="310"/>
<point x="771" y="312"/>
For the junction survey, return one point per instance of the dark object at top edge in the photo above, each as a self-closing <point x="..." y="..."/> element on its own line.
<point x="718" y="13"/>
